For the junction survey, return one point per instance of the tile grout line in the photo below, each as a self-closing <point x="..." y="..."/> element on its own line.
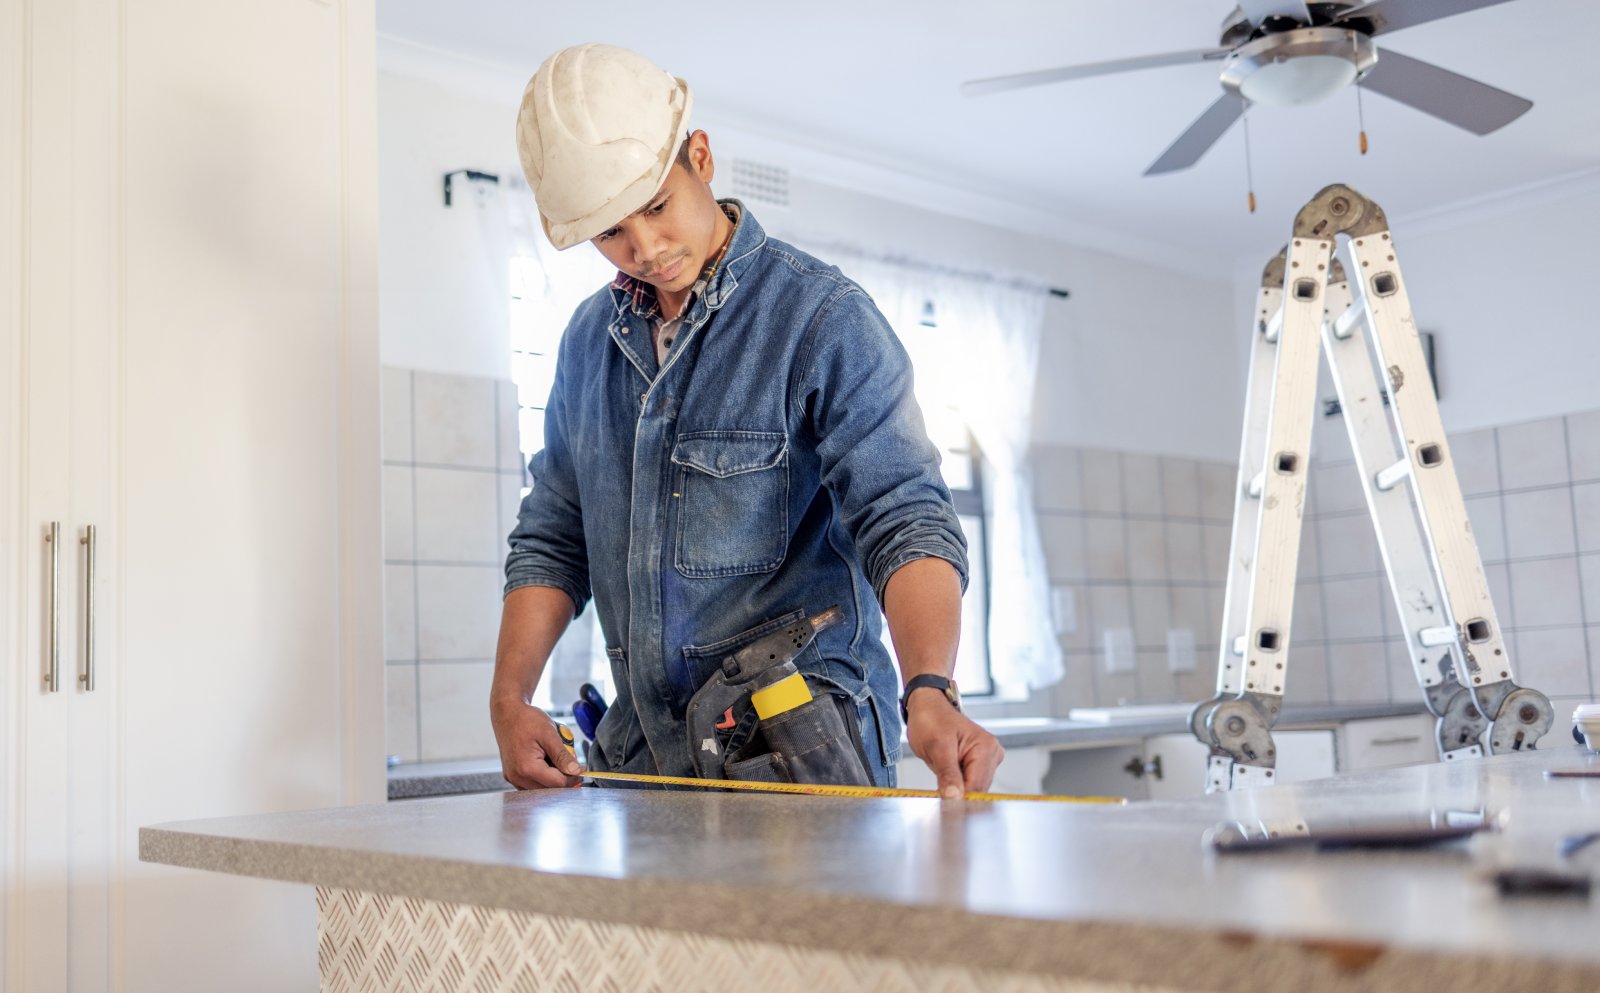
<point x="1127" y="565"/>
<point x="1088" y="604"/>
<point x="416" y="572"/>
<point x="1583" y="600"/>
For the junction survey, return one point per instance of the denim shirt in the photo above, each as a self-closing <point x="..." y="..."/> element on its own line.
<point x="776" y="465"/>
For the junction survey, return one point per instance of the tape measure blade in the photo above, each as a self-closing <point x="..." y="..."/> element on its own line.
<point x="818" y="789"/>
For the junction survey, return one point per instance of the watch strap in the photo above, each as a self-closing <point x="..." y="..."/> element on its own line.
<point x="929" y="681"/>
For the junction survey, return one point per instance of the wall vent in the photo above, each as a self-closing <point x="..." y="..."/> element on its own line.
<point x="759" y="183"/>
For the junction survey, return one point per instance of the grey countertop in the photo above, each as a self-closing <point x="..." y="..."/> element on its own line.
<point x="1113" y="893"/>
<point x="420" y="779"/>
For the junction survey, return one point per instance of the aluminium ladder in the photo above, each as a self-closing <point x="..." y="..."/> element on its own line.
<point x="1430" y="557"/>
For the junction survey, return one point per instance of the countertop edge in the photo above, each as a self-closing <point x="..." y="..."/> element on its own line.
<point x="1152" y="953"/>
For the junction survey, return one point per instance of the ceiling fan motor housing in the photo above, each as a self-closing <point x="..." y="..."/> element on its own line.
<point x="1289" y="68"/>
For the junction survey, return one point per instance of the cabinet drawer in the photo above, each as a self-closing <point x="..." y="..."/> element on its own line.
<point x="1383" y="742"/>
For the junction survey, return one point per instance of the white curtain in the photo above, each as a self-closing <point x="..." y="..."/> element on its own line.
<point x="985" y="360"/>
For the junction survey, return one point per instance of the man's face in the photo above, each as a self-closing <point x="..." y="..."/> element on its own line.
<point x="669" y="240"/>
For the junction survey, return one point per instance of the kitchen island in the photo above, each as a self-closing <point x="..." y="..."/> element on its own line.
<point x="633" y="890"/>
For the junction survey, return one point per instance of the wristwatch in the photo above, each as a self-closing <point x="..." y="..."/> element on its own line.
<point x="946" y="686"/>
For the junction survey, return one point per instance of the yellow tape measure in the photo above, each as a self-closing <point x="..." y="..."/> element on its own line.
<point x="810" y="789"/>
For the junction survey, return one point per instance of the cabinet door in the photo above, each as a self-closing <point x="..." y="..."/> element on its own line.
<point x="253" y="670"/>
<point x="1302" y="755"/>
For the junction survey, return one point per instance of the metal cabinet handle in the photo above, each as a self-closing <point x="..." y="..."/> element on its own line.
<point x="52" y="673"/>
<point x="87" y="676"/>
<point x="1410" y="739"/>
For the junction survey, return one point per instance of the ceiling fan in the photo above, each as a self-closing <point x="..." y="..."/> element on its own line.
<point x="1286" y="52"/>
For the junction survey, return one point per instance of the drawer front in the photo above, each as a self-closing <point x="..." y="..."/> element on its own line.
<point x="1384" y="742"/>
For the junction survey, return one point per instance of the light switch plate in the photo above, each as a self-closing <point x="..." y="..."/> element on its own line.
<point x="1064" y="609"/>
<point x="1120" y="656"/>
<point x="1180" y="650"/>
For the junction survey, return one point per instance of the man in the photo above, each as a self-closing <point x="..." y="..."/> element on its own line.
<point x="731" y="444"/>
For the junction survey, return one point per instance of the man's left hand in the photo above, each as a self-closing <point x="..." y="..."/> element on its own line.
<point x="961" y="754"/>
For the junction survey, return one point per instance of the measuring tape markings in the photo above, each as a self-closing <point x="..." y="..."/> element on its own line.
<point x="817" y="789"/>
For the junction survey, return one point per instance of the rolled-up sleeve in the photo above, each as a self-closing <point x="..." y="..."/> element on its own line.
<point x="876" y="459"/>
<point x="547" y="544"/>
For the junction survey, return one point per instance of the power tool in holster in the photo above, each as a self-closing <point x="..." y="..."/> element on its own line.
<point x="760" y="718"/>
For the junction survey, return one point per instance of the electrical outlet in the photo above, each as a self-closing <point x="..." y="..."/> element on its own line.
<point x="1064" y="609"/>
<point x="1120" y="656"/>
<point x="1180" y="650"/>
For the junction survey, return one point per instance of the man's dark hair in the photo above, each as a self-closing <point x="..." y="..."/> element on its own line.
<point x="683" y="154"/>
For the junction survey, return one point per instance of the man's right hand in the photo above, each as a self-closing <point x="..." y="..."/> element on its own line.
<point x="533" y="755"/>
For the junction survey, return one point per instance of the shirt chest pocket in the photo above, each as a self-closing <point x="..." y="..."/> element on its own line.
<point x="731" y="489"/>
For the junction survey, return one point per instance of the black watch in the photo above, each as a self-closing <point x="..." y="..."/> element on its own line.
<point x="946" y="686"/>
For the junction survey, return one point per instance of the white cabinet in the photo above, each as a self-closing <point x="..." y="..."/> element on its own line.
<point x="188" y="362"/>
<point x="1181" y="760"/>
<point x="1385" y="742"/>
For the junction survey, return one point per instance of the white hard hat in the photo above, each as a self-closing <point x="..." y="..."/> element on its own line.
<point x="598" y="130"/>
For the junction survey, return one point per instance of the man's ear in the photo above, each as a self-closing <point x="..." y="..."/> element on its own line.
<point x="702" y="165"/>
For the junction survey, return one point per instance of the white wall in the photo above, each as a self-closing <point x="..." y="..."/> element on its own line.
<point x="1139" y="358"/>
<point x="1504" y="286"/>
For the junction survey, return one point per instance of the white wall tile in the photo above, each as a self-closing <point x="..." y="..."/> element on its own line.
<point x="1589" y="574"/>
<point x="1217" y="538"/>
<point x="1215" y="595"/>
<point x="1330" y="439"/>
<point x="1539" y="523"/>
<point x="1594" y="670"/>
<point x="1076" y="687"/>
<point x="399" y="536"/>
<point x="1477" y="461"/>
<point x="1217" y="481"/>
<point x="455" y="422"/>
<point x="1156" y="681"/>
<point x="1147" y="550"/>
<point x="1351" y="608"/>
<point x="457" y="516"/>
<point x="1358" y="673"/>
<point x="1488" y="527"/>
<point x="1533" y="454"/>
<point x="1106" y="548"/>
<point x="394" y="387"/>
<point x="1349" y="546"/>
<point x="1189" y="610"/>
<point x="1554" y="662"/>
<point x="1583" y="437"/>
<point x="454" y="701"/>
<point x="1586" y="510"/>
<point x="1115" y="689"/>
<point x="1152" y="615"/>
<point x="458" y="611"/>
<point x="399" y="613"/>
<point x="1180" y="487"/>
<point x="1102" y="481"/>
<point x="400" y="711"/>
<point x="1403" y="686"/>
<point x="1186" y="552"/>
<point x="1307" y="624"/>
<point x="1306" y="681"/>
<point x="509" y="446"/>
<point x="1192" y="687"/>
<point x="1337" y="487"/>
<point x="1141" y="484"/>
<point x="1545" y="593"/>
<point x="1079" y="638"/>
<point x="1065" y="553"/>
<point x="1110" y="607"/>
<point x="1057" y="478"/>
<point x="510" y="507"/>
<point x="1310" y="562"/>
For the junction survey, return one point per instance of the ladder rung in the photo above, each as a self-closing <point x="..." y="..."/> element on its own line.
<point x="1274" y="327"/>
<point x="1258" y="484"/>
<point x="1238" y="645"/>
<point x="1388" y="478"/>
<point x="1436" y="637"/>
<point x="1346" y="324"/>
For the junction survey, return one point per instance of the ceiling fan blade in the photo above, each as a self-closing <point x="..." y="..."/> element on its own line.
<point x="1260" y="10"/>
<point x="1392" y="15"/>
<point x="997" y="84"/>
<point x="1449" y="96"/>
<point x="1202" y="134"/>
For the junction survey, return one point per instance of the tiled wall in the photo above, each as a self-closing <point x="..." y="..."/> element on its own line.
<point x="1140" y="543"/>
<point x="1135" y="543"/>
<point x="452" y="477"/>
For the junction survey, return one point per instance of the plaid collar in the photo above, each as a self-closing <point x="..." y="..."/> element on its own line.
<point x="642" y="296"/>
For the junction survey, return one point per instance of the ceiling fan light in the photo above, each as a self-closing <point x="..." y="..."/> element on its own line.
<point x="1301" y="80"/>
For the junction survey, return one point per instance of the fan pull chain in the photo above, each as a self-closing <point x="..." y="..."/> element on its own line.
<point x="1249" y="177"/>
<point x="1361" y="117"/>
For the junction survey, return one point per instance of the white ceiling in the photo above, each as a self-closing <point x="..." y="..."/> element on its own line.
<point x="877" y="84"/>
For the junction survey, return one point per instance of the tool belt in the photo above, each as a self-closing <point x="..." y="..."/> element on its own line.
<point x="759" y="718"/>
